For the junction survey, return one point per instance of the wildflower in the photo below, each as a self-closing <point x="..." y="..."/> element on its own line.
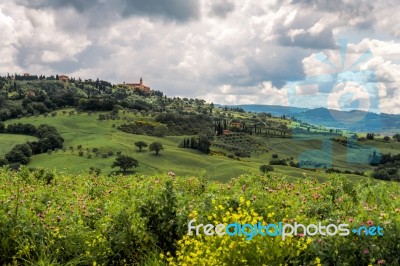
<point x="351" y="220"/>
<point x="370" y="223"/>
<point x="380" y="262"/>
<point x="366" y="251"/>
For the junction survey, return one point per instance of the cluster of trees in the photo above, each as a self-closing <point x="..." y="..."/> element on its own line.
<point x="33" y="95"/>
<point x="200" y="142"/>
<point x="191" y="124"/>
<point x="233" y="109"/>
<point x="155" y="146"/>
<point x="48" y="139"/>
<point x="125" y="162"/>
<point x="145" y="128"/>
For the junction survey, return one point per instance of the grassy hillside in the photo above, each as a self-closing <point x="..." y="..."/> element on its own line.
<point x="63" y="219"/>
<point x="87" y="131"/>
<point x="91" y="133"/>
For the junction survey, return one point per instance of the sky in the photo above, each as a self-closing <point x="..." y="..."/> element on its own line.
<point x="223" y="51"/>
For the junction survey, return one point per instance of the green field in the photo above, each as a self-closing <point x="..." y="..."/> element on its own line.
<point x="86" y="130"/>
<point x="8" y="141"/>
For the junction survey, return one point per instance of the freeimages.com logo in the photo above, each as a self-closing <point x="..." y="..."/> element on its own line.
<point x="354" y="92"/>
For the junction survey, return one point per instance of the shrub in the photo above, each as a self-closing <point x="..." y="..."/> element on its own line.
<point x="161" y="219"/>
<point x="278" y="162"/>
<point x="275" y="156"/>
<point x="266" y="168"/>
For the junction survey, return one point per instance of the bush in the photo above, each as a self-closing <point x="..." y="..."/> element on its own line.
<point x="266" y="168"/>
<point x="81" y="153"/>
<point x="275" y="156"/>
<point x="161" y="219"/>
<point x="278" y="162"/>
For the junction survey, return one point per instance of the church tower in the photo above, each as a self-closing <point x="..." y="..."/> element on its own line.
<point x="141" y="82"/>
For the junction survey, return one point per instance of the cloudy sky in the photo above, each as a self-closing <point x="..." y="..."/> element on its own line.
<point x="224" y="51"/>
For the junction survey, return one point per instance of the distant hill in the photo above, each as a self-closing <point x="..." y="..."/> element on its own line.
<point x="357" y="121"/>
<point x="275" y="110"/>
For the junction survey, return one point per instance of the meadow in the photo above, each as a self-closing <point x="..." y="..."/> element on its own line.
<point x="8" y="141"/>
<point x="49" y="218"/>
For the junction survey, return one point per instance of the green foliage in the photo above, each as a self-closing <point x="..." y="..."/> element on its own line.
<point x="156" y="146"/>
<point x="125" y="162"/>
<point x="161" y="218"/>
<point x="82" y="219"/>
<point x="19" y="154"/>
<point x="141" y="144"/>
<point x="264" y="168"/>
<point x="160" y="130"/>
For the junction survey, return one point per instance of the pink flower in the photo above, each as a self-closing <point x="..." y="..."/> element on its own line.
<point x="351" y="220"/>
<point x="370" y="223"/>
<point x="380" y="262"/>
<point x="301" y="235"/>
<point x="366" y="251"/>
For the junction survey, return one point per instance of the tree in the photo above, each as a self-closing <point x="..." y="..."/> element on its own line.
<point x="370" y="136"/>
<point x="204" y="144"/>
<point x="156" y="146"/>
<point x="386" y="138"/>
<point x="396" y="137"/>
<point x="125" y="162"/>
<point x="160" y="130"/>
<point x="141" y="145"/>
<point x="266" y="168"/>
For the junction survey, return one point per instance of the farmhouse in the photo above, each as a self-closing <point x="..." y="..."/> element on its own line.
<point x="235" y="123"/>
<point x="63" y="78"/>
<point x="140" y="86"/>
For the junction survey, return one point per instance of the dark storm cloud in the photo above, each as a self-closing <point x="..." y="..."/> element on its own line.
<point x="176" y="10"/>
<point x="222" y="8"/>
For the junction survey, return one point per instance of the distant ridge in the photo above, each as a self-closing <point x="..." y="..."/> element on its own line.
<point x="275" y="110"/>
<point x="355" y="120"/>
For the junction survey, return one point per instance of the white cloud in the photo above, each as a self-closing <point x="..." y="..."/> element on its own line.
<point x="227" y="51"/>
